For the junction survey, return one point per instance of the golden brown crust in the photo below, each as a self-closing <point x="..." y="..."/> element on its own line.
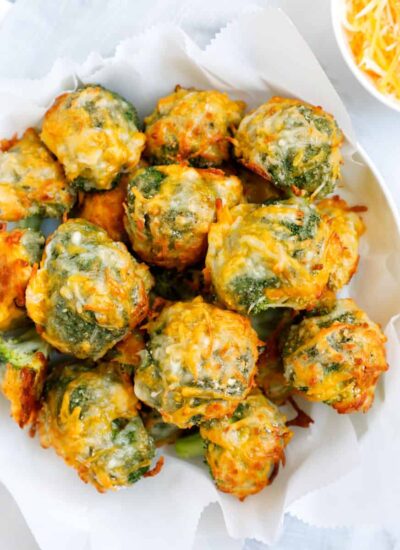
<point x="200" y="362"/>
<point x="32" y="182"/>
<point x="15" y="271"/>
<point x="106" y="209"/>
<point x="336" y="357"/>
<point x="192" y="126"/>
<point x="23" y="387"/>
<point x="244" y="452"/>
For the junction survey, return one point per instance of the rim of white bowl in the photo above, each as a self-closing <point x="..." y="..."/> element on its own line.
<point x="337" y="13"/>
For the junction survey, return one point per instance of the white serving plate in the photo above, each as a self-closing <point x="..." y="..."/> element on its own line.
<point x="241" y="61"/>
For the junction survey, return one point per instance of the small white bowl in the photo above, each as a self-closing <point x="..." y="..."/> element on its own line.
<point x="338" y="9"/>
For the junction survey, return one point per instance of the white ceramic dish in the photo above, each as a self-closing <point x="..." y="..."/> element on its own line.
<point x="337" y="13"/>
<point x="241" y="61"/>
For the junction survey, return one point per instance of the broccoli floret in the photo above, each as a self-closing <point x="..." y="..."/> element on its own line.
<point x="33" y="241"/>
<point x="250" y="292"/>
<point x="24" y="351"/>
<point x="306" y="228"/>
<point x="148" y="181"/>
<point x="33" y="222"/>
<point x="190" y="446"/>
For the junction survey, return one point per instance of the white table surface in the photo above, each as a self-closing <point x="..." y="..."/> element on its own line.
<point x="377" y="128"/>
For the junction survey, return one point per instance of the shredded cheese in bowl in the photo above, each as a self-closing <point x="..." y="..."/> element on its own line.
<point x="373" y="31"/>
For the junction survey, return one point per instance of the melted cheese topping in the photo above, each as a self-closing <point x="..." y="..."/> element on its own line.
<point x="93" y="132"/>
<point x="200" y="362"/>
<point x="373" y="30"/>
<point x="193" y="126"/>
<point x="90" y="417"/>
<point x="32" y="181"/>
<point x="269" y="256"/>
<point x="106" y="209"/>
<point x="19" y="250"/>
<point x="88" y="292"/>
<point x="336" y="357"/>
<point x="170" y="210"/>
<point x="244" y="452"/>
<point x="347" y="227"/>
<point x="292" y="143"/>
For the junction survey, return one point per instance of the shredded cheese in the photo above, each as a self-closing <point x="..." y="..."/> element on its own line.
<point x="373" y="30"/>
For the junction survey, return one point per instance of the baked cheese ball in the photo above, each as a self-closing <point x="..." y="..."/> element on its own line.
<point x="292" y="143"/>
<point x="106" y="209"/>
<point x="170" y="210"/>
<point x="244" y="451"/>
<point x="200" y="362"/>
<point x="23" y="366"/>
<point x="90" y="417"/>
<point x="347" y="228"/>
<point x="32" y="182"/>
<point x="20" y="249"/>
<point x="94" y="133"/>
<point x="192" y="126"/>
<point x="336" y="356"/>
<point x="89" y="291"/>
<point x="274" y="255"/>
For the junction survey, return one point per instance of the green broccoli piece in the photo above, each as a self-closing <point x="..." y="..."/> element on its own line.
<point x="33" y="222"/>
<point x="148" y="181"/>
<point x="250" y="292"/>
<point x="190" y="446"/>
<point x="24" y="351"/>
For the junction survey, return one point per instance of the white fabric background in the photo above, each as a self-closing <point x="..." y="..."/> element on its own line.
<point x="27" y="51"/>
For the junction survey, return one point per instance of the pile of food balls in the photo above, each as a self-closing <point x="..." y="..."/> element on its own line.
<point x="189" y="290"/>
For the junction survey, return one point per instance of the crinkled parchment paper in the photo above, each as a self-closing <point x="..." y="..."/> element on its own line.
<point x="340" y="470"/>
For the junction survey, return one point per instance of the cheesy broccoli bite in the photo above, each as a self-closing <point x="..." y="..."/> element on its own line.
<point x="170" y="210"/>
<point x="88" y="292"/>
<point x="90" y="417"/>
<point x="95" y="134"/>
<point x="244" y="451"/>
<point x="20" y="249"/>
<point x="336" y="356"/>
<point x="200" y="362"/>
<point x="32" y="182"/>
<point x="192" y="126"/>
<point x="23" y="365"/>
<point x="274" y="255"/>
<point x="292" y="143"/>
<point x="106" y="209"/>
<point x="347" y="228"/>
